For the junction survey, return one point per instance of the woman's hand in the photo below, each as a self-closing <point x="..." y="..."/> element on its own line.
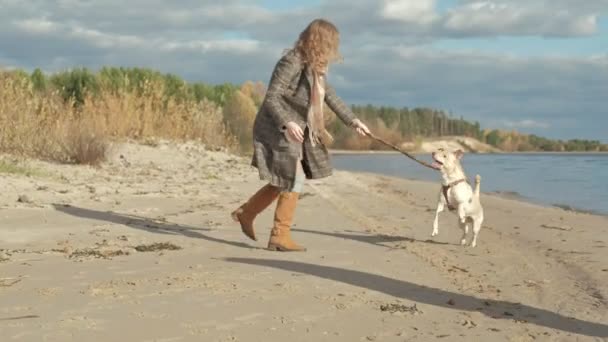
<point x="294" y="132"/>
<point x="361" y="127"/>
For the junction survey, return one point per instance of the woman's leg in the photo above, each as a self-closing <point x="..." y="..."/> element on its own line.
<point x="280" y="236"/>
<point x="247" y="212"/>
<point x="300" y="179"/>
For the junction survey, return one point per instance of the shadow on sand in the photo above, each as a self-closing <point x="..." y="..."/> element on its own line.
<point x="393" y="287"/>
<point x="146" y="224"/>
<point x="437" y="297"/>
<point x="373" y="239"/>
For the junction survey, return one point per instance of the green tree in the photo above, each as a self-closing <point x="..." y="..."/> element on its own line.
<point x="74" y="85"/>
<point x="493" y="138"/>
<point x="39" y="81"/>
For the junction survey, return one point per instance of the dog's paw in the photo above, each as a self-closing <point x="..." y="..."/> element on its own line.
<point x="435" y="233"/>
<point x="463" y="242"/>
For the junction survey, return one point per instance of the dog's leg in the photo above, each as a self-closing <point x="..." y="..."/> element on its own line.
<point x="440" y="208"/>
<point x="461" y="214"/>
<point x="476" y="228"/>
<point x="465" y="231"/>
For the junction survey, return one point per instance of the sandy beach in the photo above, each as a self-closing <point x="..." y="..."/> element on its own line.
<point x="143" y="249"/>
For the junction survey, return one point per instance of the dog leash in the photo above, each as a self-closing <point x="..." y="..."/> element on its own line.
<point x="382" y="141"/>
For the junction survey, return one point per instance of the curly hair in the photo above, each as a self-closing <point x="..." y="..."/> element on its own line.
<point x="318" y="44"/>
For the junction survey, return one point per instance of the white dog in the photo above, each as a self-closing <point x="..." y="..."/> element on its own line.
<point x="457" y="194"/>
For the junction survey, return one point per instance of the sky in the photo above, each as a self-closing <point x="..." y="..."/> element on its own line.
<point x="536" y="66"/>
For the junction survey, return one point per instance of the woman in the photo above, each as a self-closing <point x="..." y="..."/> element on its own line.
<point x="290" y="139"/>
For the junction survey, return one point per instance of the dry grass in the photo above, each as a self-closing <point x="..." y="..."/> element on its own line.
<point x="239" y="114"/>
<point x="151" y="115"/>
<point x="42" y="125"/>
<point x="85" y="143"/>
<point x="31" y="124"/>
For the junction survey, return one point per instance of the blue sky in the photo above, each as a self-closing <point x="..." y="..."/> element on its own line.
<point x="536" y="66"/>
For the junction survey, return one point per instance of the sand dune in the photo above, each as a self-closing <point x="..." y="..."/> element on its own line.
<point x="454" y="143"/>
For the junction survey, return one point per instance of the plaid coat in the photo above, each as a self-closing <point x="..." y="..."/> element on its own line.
<point x="288" y="99"/>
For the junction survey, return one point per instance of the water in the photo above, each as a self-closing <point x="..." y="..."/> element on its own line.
<point x="578" y="181"/>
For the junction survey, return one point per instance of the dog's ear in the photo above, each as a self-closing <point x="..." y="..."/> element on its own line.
<point x="459" y="154"/>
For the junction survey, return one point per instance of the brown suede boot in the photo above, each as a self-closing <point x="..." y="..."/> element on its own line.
<point x="246" y="213"/>
<point x="280" y="236"/>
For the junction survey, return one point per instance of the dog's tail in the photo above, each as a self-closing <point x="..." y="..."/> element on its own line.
<point x="477" y="185"/>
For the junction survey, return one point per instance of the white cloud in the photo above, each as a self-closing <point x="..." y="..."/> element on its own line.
<point x="501" y="17"/>
<point x="105" y="40"/>
<point x="238" y="46"/>
<point x="36" y="26"/>
<point x="410" y="11"/>
<point x="482" y="15"/>
<point x="585" y="25"/>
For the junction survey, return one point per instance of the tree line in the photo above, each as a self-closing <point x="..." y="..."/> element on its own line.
<point x="406" y="124"/>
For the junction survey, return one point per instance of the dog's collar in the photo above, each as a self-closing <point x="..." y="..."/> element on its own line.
<point x="454" y="183"/>
<point x="447" y="187"/>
